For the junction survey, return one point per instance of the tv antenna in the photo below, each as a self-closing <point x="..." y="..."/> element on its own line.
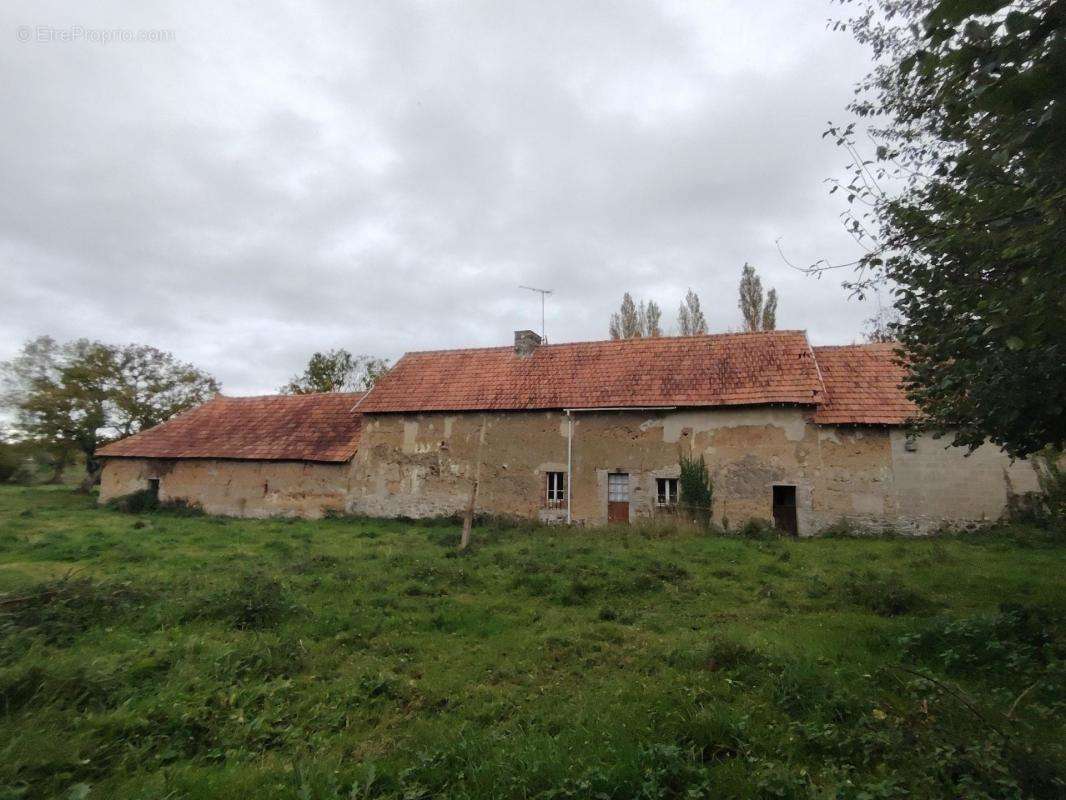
<point x="543" y="293"/>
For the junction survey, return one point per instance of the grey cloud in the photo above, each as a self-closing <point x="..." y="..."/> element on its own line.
<point x="382" y="176"/>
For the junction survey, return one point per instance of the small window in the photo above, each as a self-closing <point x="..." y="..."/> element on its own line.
<point x="667" y="491"/>
<point x="618" y="487"/>
<point x="556" y="490"/>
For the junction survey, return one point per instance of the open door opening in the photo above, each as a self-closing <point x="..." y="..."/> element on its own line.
<point x="153" y="488"/>
<point x="785" y="510"/>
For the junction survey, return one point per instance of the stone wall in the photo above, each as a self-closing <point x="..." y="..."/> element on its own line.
<point x="424" y="465"/>
<point x="234" y="488"/>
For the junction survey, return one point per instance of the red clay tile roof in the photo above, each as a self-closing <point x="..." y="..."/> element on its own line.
<point x="863" y="386"/>
<point x="307" y="427"/>
<point x="719" y="370"/>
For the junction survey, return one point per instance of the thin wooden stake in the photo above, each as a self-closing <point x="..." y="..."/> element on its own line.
<point x="468" y="517"/>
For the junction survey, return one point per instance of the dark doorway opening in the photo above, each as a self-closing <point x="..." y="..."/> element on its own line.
<point x="153" y="488"/>
<point x="785" y="510"/>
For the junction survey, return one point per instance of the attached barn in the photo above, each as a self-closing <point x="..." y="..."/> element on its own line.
<point x="244" y="456"/>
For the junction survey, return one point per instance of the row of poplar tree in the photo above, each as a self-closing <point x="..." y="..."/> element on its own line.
<point x="644" y="319"/>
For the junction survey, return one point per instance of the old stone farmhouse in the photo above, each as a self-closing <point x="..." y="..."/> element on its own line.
<point x="588" y="433"/>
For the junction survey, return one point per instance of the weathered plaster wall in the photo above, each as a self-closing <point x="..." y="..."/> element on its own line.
<point x="936" y="482"/>
<point x="234" y="488"/>
<point x="423" y="465"/>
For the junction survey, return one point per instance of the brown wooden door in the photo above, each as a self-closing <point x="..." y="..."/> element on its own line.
<point x="785" y="510"/>
<point x="618" y="497"/>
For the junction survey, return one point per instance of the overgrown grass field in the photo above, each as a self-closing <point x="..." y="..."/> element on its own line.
<point x="174" y="656"/>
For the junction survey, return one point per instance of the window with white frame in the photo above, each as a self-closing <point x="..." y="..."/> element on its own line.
<point x="666" y="494"/>
<point x="556" y="490"/>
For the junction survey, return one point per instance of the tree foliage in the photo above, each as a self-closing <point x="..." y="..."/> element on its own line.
<point x="769" y="311"/>
<point x="690" y="319"/>
<point x="633" y="321"/>
<point x="962" y="207"/>
<point x="72" y="396"/>
<point x="758" y="311"/>
<point x="337" y="371"/>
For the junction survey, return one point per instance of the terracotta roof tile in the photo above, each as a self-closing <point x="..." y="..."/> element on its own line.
<point x="863" y="385"/>
<point x="308" y="427"/>
<point x="717" y="370"/>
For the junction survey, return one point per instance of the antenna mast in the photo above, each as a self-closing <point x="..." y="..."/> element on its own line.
<point x="543" y="293"/>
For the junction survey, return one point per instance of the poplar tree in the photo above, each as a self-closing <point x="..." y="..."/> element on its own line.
<point x="759" y="312"/>
<point x="633" y="321"/>
<point x="690" y="319"/>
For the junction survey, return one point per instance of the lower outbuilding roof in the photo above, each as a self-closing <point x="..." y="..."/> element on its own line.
<point x="302" y="427"/>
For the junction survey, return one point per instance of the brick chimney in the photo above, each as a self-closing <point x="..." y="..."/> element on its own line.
<point x="525" y="342"/>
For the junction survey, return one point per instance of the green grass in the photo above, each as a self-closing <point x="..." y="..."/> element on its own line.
<point x="166" y="655"/>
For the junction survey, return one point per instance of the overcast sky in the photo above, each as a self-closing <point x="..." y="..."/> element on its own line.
<point x="278" y="178"/>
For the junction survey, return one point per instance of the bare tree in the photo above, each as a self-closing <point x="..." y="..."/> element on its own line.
<point x="883" y="326"/>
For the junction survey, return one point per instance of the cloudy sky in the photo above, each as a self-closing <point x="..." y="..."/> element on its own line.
<point x="276" y="178"/>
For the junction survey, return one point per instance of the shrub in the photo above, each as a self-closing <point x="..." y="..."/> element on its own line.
<point x="843" y="528"/>
<point x="1013" y="641"/>
<point x="34" y="685"/>
<point x="1046" y="508"/>
<point x="719" y="653"/>
<point x="9" y="462"/>
<point x="316" y="564"/>
<point x="759" y="529"/>
<point x="60" y="609"/>
<point x="180" y="507"/>
<point x="697" y="492"/>
<point x="578" y="593"/>
<point x="607" y="614"/>
<point x="884" y="595"/>
<point x="15" y="466"/>
<point x="146" y="501"/>
<point x="135" y="502"/>
<point x="256" y="602"/>
<point x="1052" y="479"/>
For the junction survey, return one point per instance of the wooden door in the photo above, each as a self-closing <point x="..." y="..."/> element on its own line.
<point x="618" y="497"/>
<point x="785" y="510"/>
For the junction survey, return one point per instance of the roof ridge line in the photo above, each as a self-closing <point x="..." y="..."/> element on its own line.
<point x="222" y="396"/>
<point x="621" y="342"/>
